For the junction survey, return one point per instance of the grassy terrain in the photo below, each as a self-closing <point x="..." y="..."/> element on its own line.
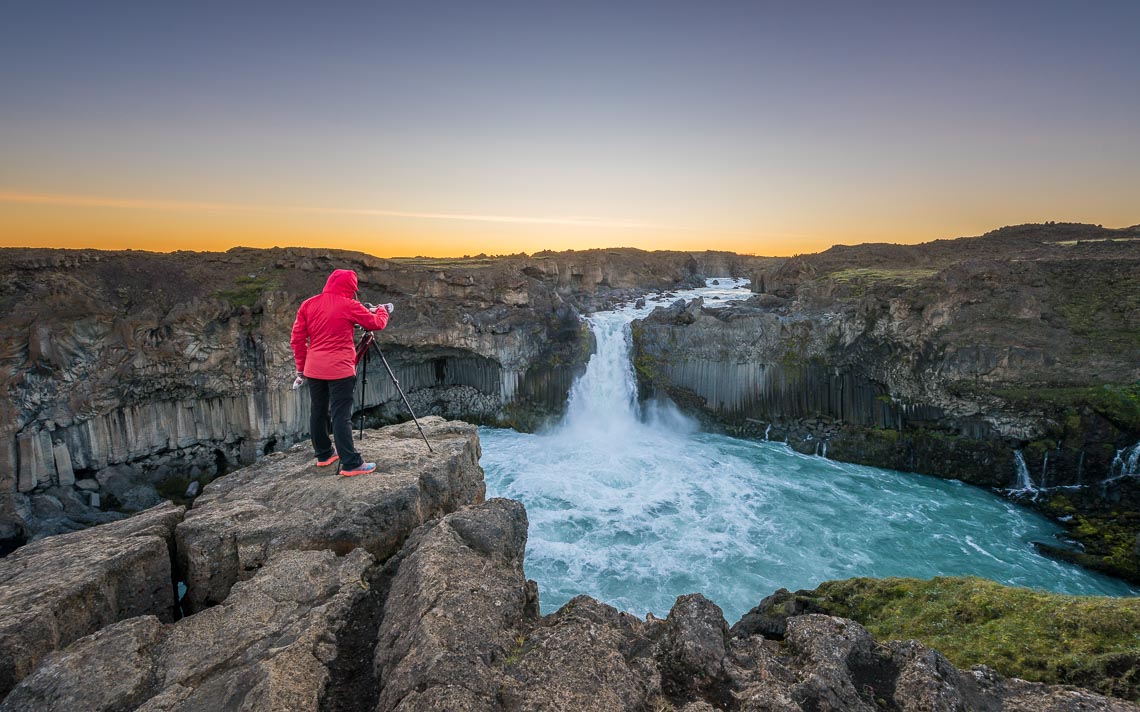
<point x="1120" y="404"/>
<point x="900" y="277"/>
<point x="1089" y="641"/>
<point x="247" y="291"/>
<point x="441" y="262"/>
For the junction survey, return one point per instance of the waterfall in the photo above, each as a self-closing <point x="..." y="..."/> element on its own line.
<point x="603" y="401"/>
<point x="1045" y="471"/>
<point x="603" y="408"/>
<point x="824" y="454"/>
<point x="1126" y="463"/>
<point x="1024" y="481"/>
<point x="627" y="505"/>
<point x="767" y="430"/>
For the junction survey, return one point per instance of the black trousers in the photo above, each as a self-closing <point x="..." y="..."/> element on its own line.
<point x="331" y="403"/>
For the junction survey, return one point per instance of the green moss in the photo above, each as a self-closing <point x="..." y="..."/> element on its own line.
<point x="1118" y="403"/>
<point x="900" y="277"/>
<point x="516" y="653"/>
<point x="248" y="291"/>
<point x="1111" y="537"/>
<point x="1059" y="506"/>
<point x="1019" y="632"/>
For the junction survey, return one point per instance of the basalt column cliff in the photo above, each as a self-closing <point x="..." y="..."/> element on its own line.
<point x="124" y="372"/>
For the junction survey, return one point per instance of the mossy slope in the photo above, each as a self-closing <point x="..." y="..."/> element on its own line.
<point x="1089" y="641"/>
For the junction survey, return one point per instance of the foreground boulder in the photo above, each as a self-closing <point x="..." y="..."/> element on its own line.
<point x="270" y="646"/>
<point x="455" y="610"/>
<point x="284" y="502"/>
<point x="57" y="590"/>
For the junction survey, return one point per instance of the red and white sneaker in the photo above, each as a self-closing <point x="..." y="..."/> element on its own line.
<point x="331" y="460"/>
<point x="364" y="469"/>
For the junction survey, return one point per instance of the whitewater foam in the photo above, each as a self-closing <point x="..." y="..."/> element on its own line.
<point x="631" y="504"/>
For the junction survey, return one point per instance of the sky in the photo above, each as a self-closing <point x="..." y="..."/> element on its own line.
<point x="451" y="128"/>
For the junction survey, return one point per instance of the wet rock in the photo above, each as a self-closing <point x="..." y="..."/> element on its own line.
<point x="454" y="611"/>
<point x="640" y="303"/>
<point x="87" y="484"/>
<point x="268" y="647"/>
<point x="284" y="502"/>
<point x="62" y="588"/>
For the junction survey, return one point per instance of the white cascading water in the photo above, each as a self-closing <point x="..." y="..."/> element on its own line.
<point x="1125" y="464"/>
<point x="1024" y="481"/>
<point x="633" y="505"/>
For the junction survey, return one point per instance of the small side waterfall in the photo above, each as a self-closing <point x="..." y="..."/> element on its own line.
<point x="1045" y="471"/>
<point x="1024" y="481"/>
<point x="766" y="431"/>
<point x="1125" y="464"/>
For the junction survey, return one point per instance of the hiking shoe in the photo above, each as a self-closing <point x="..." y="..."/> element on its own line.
<point x="364" y="469"/>
<point x="331" y="460"/>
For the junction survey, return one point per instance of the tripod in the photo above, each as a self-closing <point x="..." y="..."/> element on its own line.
<point x="367" y="343"/>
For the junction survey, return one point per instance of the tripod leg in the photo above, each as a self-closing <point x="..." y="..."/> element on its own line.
<point x="363" y="389"/>
<point x="401" y="391"/>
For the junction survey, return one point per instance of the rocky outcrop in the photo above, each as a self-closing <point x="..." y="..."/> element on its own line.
<point x="55" y="591"/>
<point x="284" y="502"/>
<point x="450" y="622"/>
<point x="456" y="607"/>
<point x="270" y="646"/>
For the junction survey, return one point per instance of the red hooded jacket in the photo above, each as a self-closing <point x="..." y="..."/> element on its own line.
<point x="322" y="334"/>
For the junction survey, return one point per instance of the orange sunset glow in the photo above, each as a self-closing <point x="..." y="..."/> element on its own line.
<point x="400" y="132"/>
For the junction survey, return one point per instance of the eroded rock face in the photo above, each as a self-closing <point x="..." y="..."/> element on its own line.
<point x="55" y="591"/>
<point x="285" y="502"/>
<point x="269" y="646"/>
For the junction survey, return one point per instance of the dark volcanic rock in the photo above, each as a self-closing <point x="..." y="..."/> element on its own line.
<point x="269" y="646"/>
<point x="62" y="588"/>
<point x="284" y="502"/>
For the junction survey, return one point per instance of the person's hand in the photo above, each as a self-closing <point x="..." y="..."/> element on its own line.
<point x="298" y="381"/>
<point x="389" y="307"/>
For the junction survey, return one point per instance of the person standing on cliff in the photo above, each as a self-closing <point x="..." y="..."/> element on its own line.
<point x="325" y="353"/>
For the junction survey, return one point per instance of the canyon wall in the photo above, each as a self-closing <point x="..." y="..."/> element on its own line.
<point x="1010" y="361"/>
<point x="127" y="370"/>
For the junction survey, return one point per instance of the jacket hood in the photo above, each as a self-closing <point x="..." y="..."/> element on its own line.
<point x="342" y="282"/>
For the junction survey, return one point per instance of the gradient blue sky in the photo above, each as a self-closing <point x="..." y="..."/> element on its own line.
<point x="450" y="128"/>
